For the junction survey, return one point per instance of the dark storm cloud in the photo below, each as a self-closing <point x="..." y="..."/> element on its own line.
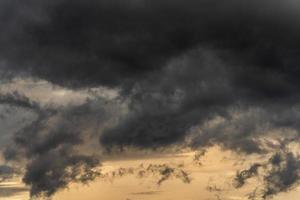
<point x="55" y="169"/>
<point x="116" y="42"/>
<point x="189" y="67"/>
<point x="131" y="45"/>
<point x="51" y="147"/>
<point x="195" y="90"/>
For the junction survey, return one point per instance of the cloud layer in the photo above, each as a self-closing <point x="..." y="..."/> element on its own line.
<point x="189" y="72"/>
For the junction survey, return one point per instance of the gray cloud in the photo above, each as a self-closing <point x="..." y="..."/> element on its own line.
<point x="208" y="72"/>
<point x="193" y="91"/>
<point x="283" y="175"/>
<point x="18" y="100"/>
<point x="48" y="145"/>
<point x="55" y="169"/>
<point x="279" y="174"/>
<point x="243" y="59"/>
<point x="242" y="176"/>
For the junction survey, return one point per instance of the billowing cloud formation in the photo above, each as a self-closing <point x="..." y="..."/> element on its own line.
<point x="195" y="72"/>
<point x="51" y="145"/>
<point x="196" y="89"/>
<point x="112" y="42"/>
<point x="56" y="169"/>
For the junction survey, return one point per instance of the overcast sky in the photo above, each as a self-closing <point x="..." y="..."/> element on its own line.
<point x="87" y="81"/>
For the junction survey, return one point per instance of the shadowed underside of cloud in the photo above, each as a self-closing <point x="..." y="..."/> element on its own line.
<point x="48" y="173"/>
<point x="193" y="72"/>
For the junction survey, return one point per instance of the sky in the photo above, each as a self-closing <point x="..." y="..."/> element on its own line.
<point x="148" y="99"/>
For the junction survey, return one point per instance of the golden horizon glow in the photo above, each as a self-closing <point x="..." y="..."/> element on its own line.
<point x="217" y="170"/>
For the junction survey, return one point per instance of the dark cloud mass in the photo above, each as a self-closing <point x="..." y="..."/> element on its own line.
<point x="115" y="42"/>
<point x="195" y="72"/>
<point x="55" y="170"/>
<point x="51" y="143"/>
